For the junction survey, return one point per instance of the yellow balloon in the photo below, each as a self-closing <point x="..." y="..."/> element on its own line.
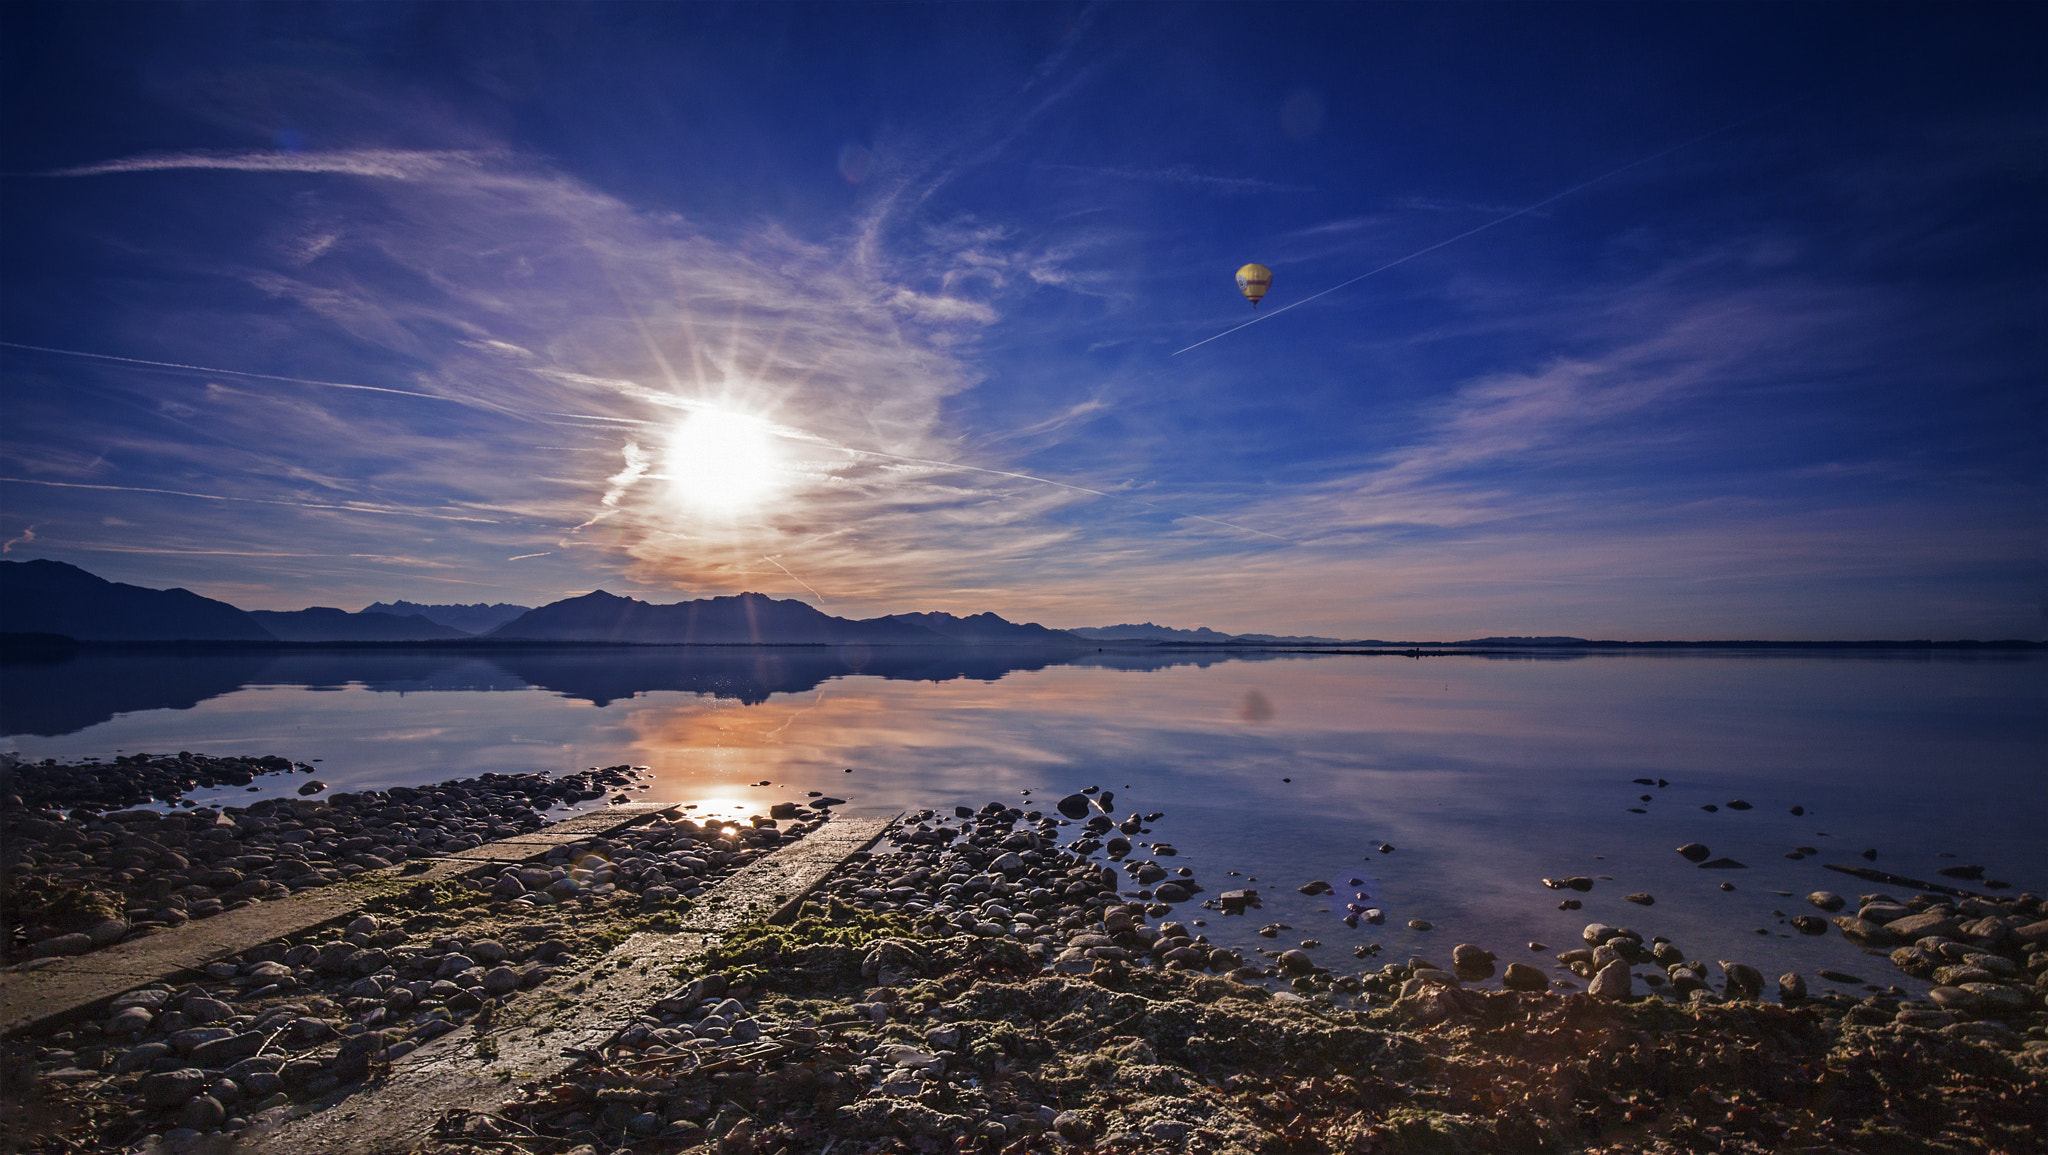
<point x="1253" y="281"/>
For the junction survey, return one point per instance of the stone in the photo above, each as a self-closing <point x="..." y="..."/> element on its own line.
<point x="1791" y="987"/>
<point x="1743" y="981"/>
<point x="1917" y="926"/>
<point x="203" y="1113"/>
<point x="1612" y="983"/>
<point x="1827" y="900"/>
<point x="1467" y="955"/>
<point x="1722" y="864"/>
<point x="222" y="1052"/>
<point x="1420" y="924"/>
<point x="151" y="998"/>
<point x="1994" y="999"/>
<point x="140" y="1058"/>
<point x="501" y="980"/>
<point x="63" y="944"/>
<point x="1953" y="999"/>
<point x="1809" y="924"/>
<point x="204" y="1010"/>
<point x="1695" y="852"/>
<point x="170" y="1088"/>
<point x="1863" y="932"/>
<point x="1170" y="892"/>
<point x="1074" y="1126"/>
<point x="1640" y="899"/>
<point x="129" y="1021"/>
<point x="1074" y="806"/>
<point x="1523" y="977"/>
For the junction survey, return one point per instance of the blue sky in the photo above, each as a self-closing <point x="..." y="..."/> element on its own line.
<point x="890" y="308"/>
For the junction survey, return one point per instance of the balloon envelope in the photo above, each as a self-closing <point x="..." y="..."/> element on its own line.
<point x="1253" y="280"/>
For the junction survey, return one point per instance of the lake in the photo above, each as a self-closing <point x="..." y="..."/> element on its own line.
<point x="1486" y="774"/>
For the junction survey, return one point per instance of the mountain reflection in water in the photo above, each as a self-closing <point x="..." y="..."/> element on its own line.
<point x="64" y="696"/>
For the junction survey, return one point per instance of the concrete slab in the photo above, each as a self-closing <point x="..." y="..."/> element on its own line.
<point x="772" y="888"/>
<point x="537" y="1034"/>
<point x="75" y="986"/>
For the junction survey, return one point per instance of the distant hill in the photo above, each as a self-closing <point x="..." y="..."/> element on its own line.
<point x="477" y="618"/>
<point x="738" y="620"/>
<point x="1147" y="632"/>
<point x="983" y="629"/>
<point x="50" y="597"/>
<point x="1305" y="640"/>
<point x="325" y="624"/>
<point x="1546" y="641"/>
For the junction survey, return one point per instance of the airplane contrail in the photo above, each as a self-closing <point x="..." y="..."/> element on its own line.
<point x="229" y="372"/>
<point x="794" y="578"/>
<point x="1520" y="212"/>
<point x="388" y="511"/>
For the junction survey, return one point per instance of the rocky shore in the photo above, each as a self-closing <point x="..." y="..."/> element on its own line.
<point x="80" y="872"/>
<point x="993" y="979"/>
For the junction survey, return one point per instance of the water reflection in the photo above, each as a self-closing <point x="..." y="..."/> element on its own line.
<point x="1486" y="775"/>
<point x="63" y="696"/>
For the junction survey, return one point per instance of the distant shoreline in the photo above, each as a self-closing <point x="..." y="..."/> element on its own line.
<point x="17" y="646"/>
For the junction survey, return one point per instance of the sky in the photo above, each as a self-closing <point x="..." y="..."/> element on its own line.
<point x="1618" y="320"/>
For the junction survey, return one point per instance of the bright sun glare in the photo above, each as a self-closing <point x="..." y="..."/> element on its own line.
<point x="724" y="462"/>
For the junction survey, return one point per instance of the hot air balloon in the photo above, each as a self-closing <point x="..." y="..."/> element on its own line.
<point x="1253" y="280"/>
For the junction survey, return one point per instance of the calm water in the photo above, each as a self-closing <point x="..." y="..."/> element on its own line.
<point x="1486" y="774"/>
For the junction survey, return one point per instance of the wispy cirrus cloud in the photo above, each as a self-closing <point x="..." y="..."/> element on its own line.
<point x="1182" y="174"/>
<point x="530" y="297"/>
<point x="380" y="163"/>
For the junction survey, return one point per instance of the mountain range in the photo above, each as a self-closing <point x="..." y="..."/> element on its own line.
<point x="46" y="607"/>
<point x="52" y="598"/>
<point x="477" y="618"/>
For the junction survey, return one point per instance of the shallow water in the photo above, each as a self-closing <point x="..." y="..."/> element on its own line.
<point x="1486" y="774"/>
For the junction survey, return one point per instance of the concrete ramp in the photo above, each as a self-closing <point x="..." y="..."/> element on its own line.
<point x="47" y="993"/>
<point x="541" y="1033"/>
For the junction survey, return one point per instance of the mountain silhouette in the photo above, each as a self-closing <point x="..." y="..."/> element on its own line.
<point x="50" y="597"/>
<point x="1147" y="632"/>
<point x="477" y="618"/>
<point x="983" y="629"/>
<point x="736" y="620"/>
<point x="326" y="624"/>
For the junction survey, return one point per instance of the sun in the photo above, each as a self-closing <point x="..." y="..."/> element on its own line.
<point x="724" y="462"/>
